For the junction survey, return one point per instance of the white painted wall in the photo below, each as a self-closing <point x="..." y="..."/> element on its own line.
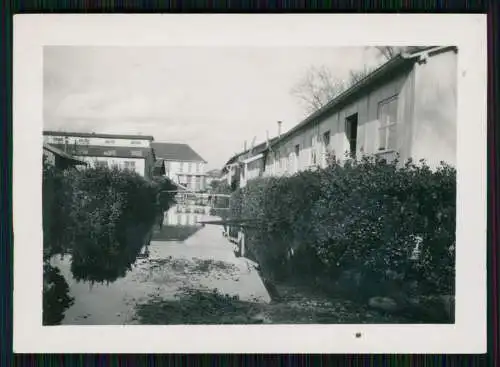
<point x="434" y="135"/>
<point x="174" y="218"/>
<point x="71" y="140"/>
<point x="191" y="174"/>
<point x="115" y="161"/>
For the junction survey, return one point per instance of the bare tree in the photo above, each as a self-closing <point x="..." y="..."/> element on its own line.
<point x="388" y="52"/>
<point x="358" y="75"/>
<point x="317" y="87"/>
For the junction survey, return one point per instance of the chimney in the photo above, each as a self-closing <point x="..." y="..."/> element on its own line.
<point x="279" y="129"/>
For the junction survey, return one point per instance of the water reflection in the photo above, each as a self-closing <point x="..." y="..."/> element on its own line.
<point x="180" y="222"/>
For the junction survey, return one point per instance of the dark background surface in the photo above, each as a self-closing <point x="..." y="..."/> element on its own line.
<point x="299" y="6"/>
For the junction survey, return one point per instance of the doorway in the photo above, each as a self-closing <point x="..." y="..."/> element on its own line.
<point x="351" y="130"/>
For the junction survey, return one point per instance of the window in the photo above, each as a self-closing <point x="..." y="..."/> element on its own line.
<point x="135" y="142"/>
<point x="387" y="117"/>
<point x="58" y="140"/>
<point x="190" y="167"/>
<point x="109" y="142"/>
<point x="297" y="155"/>
<point x="198" y="167"/>
<point x="181" y="167"/>
<point x="129" y="165"/>
<point x="101" y="164"/>
<point x="83" y="141"/>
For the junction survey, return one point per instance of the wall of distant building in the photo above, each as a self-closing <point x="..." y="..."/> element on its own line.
<point x="139" y="162"/>
<point x="133" y="164"/>
<point x="189" y="174"/>
<point x="70" y="140"/>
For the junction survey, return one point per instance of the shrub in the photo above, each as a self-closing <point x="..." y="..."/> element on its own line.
<point x="364" y="218"/>
<point x="165" y="199"/>
<point x="101" y="216"/>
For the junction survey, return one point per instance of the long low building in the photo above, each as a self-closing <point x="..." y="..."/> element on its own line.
<point x="406" y="107"/>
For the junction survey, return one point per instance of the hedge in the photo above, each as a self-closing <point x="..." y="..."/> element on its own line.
<point x="360" y="221"/>
<point x="101" y="217"/>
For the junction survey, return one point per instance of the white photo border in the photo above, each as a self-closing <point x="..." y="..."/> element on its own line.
<point x="467" y="31"/>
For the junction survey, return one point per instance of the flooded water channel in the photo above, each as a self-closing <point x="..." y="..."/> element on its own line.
<point x="183" y="254"/>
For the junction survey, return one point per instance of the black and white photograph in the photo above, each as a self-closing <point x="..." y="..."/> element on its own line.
<point x="211" y="185"/>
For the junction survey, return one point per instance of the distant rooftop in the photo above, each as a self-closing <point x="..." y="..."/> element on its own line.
<point x="214" y="173"/>
<point x="176" y="152"/>
<point x="62" y="154"/>
<point x="97" y="135"/>
<point x="260" y="148"/>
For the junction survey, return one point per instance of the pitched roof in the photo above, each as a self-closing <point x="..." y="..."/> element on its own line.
<point x="260" y="148"/>
<point x="96" y="135"/>
<point x="100" y="151"/>
<point x="176" y="152"/>
<point x="62" y="154"/>
<point x="214" y="173"/>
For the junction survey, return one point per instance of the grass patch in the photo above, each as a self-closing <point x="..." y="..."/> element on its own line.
<point x="296" y="306"/>
<point x="198" y="307"/>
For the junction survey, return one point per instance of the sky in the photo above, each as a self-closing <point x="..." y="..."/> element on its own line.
<point x="212" y="98"/>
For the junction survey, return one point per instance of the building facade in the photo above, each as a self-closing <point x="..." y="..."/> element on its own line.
<point x="130" y="152"/>
<point x="181" y="164"/>
<point x="408" y="106"/>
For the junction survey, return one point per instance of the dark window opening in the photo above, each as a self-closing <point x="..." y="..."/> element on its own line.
<point x="351" y="130"/>
<point x="326" y="138"/>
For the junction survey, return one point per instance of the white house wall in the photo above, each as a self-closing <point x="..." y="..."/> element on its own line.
<point x="435" y="115"/>
<point x="140" y="166"/>
<point x="110" y="142"/>
<point x="179" y="171"/>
